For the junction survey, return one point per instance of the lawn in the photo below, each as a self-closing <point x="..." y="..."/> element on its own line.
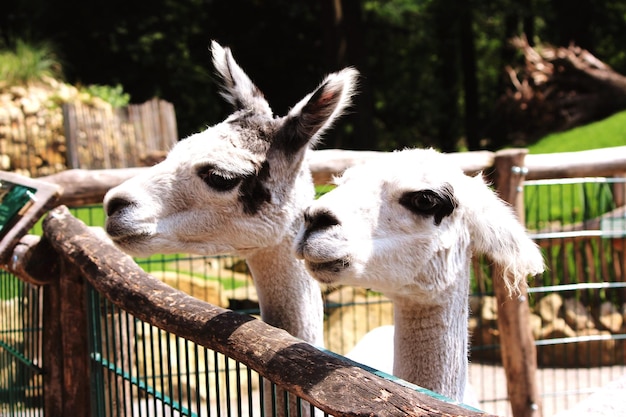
<point x="602" y="134"/>
<point x="571" y="203"/>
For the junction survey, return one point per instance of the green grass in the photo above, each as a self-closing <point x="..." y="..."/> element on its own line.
<point x="602" y="134"/>
<point x="28" y="62"/>
<point x="571" y="203"/>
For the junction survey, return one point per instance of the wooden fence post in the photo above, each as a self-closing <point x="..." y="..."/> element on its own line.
<point x="52" y="351"/>
<point x="519" y="355"/>
<point x="73" y="317"/>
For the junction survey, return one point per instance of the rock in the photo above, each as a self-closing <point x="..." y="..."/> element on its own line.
<point x="5" y="162"/>
<point x="30" y="105"/>
<point x="576" y="315"/>
<point x="610" y="318"/>
<point x="556" y="329"/>
<point x="549" y="306"/>
<point x="489" y="310"/>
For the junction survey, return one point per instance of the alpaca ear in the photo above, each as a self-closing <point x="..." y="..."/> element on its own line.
<point x="496" y="232"/>
<point x="315" y="113"/>
<point x="237" y="88"/>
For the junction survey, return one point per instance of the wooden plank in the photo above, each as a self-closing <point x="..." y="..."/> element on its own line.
<point x="329" y="382"/>
<point x="71" y="141"/>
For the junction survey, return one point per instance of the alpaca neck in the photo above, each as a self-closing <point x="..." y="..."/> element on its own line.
<point x="288" y="297"/>
<point x="430" y="342"/>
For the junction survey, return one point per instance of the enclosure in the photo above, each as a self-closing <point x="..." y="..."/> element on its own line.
<point x="68" y="348"/>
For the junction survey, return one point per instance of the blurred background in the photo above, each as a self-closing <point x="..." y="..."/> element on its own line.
<point x="440" y="73"/>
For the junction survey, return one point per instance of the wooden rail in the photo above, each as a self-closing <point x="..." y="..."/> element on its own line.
<point x="507" y="169"/>
<point x="89" y="186"/>
<point x="335" y="385"/>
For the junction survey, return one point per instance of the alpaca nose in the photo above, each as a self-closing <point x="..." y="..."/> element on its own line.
<point x="116" y="204"/>
<point x="315" y="220"/>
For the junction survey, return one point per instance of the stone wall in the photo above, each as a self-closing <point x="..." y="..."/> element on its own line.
<point x="51" y="126"/>
<point x="582" y="334"/>
<point x="32" y="139"/>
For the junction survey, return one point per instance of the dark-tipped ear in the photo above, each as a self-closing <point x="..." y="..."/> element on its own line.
<point x="316" y="112"/>
<point x="237" y="88"/>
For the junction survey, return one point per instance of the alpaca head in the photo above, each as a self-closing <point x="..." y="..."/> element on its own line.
<point x="237" y="186"/>
<point x="407" y="224"/>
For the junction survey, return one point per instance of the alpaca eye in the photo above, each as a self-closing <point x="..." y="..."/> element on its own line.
<point x="438" y="204"/>
<point x="218" y="181"/>
<point x="424" y="201"/>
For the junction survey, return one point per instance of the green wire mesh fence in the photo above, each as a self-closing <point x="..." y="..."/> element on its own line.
<point x="21" y="383"/>
<point x="141" y="370"/>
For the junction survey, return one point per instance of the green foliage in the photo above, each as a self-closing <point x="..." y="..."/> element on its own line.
<point x="602" y="134"/>
<point x="28" y="62"/>
<point x="413" y="54"/>
<point x="114" y="95"/>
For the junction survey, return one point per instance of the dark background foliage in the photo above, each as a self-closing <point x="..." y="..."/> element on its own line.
<point x="432" y="70"/>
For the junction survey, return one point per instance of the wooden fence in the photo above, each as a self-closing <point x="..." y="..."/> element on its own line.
<point x="105" y="138"/>
<point x="75" y="249"/>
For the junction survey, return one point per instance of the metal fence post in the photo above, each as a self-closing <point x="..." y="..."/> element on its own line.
<point x="519" y="355"/>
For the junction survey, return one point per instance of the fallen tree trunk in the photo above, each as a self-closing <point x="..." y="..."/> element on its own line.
<point x="557" y="88"/>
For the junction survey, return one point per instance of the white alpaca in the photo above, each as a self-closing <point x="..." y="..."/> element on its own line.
<point x="406" y="225"/>
<point x="238" y="187"/>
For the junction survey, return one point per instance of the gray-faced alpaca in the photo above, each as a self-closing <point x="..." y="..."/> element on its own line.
<point x="407" y="225"/>
<point x="238" y="187"/>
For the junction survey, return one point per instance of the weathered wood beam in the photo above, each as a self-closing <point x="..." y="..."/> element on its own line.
<point x="593" y="163"/>
<point x="330" y="383"/>
<point x="519" y="355"/>
<point x="34" y="261"/>
<point x="84" y="187"/>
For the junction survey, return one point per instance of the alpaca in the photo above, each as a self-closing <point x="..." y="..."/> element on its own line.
<point x="406" y="225"/>
<point x="238" y="187"/>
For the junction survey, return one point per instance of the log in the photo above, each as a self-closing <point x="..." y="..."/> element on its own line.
<point x="327" y="163"/>
<point x="83" y="187"/>
<point x="604" y="162"/>
<point x="74" y="341"/>
<point x="519" y="356"/>
<point x="557" y="89"/>
<point x="34" y="261"/>
<point x="333" y="384"/>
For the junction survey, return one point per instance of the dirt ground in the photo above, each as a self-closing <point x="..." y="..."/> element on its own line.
<point x="561" y="388"/>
